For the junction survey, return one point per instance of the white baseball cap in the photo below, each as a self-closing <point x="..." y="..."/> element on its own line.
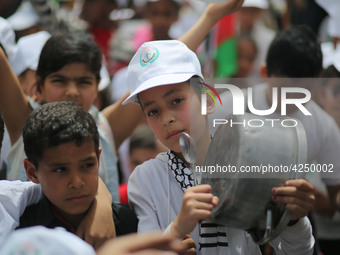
<point x="159" y="63"/>
<point x="261" y="4"/>
<point x="44" y="241"/>
<point x="28" y="53"/>
<point x="7" y="38"/>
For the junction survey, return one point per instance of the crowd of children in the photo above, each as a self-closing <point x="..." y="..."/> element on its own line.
<point x="60" y="163"/>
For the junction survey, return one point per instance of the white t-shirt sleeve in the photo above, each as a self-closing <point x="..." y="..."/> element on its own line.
<point x="295" y="240"/>
<point x="141" y="201"/>
<point x="15" y="196"/>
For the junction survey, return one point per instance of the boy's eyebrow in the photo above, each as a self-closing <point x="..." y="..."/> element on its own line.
<point x="59" y="164"/>
<point x="68" y="163"/>
<point x="89" y="158"/>
<point x="169" y="93"/>
<point x="68" y="78"/>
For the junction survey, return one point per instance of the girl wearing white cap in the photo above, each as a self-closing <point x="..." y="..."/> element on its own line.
<point x="162" y="191"/>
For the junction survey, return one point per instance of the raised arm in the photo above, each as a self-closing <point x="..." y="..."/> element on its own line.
<point x="123" y="119"/>
<point x="213" y="13"/>
<point x="14" y="105"/>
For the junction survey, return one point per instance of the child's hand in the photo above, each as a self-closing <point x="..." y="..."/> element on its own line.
<point x="196" y="205"/>
<point x="220" y="10"/>
<point x="213" y="13"/>
<point x="298" y="195"/>
<point x="189" y="246"/>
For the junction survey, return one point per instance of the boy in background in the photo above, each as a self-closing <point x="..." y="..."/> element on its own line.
<point x="143" y="146"/>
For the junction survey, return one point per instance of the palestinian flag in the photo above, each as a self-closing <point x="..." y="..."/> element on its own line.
<point x="226" y="48"/>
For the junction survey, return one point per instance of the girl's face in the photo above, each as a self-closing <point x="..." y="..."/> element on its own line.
<point x="73" y="83"/>
<point x="170" y="109"/>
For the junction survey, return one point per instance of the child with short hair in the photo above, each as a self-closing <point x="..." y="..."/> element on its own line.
<point x="161" y="190"/>
<point x="62" y="146"/>
<point x="143" y="146"/>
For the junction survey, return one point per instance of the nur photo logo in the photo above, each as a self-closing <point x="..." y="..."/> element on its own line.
<point x="241" y="101"/>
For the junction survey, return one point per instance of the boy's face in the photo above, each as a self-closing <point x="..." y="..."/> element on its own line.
<point x="68" y="175"/>
<point x="73" y="83"/>
<point x="167" y="109"/>
<point x="161" y="14"/>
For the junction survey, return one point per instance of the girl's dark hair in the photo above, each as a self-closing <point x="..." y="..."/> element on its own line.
<point x="61" y="50"/>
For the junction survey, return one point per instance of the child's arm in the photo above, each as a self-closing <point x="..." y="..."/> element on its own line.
<point x="14" y="105"/>
<point x="197" y="204"/>
<point x="213" y="13"/>
<point x="123" y="119"/>
<point x="98" y="226"/>
<point x="146" y="244"/>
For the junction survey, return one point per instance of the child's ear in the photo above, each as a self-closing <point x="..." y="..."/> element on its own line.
<point x="31" y="171"/>
<point x="210" y="105"/>
<point x="99" y="152"/>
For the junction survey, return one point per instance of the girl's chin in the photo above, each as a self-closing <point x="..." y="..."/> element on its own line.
<point x="176" y="149"/>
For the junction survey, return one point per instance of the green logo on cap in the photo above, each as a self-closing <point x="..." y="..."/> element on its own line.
<point x="148" y="55"/>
